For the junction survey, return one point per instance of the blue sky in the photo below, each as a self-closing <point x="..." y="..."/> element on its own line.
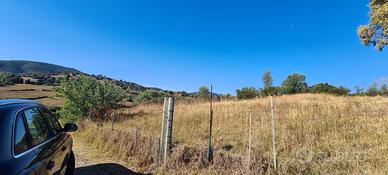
<point x="181" y="45"/>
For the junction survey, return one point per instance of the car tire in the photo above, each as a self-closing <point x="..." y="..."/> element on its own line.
<point x="70" y="165"/>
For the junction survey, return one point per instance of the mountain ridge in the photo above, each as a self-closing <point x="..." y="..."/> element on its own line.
<point x="24" y="66"/>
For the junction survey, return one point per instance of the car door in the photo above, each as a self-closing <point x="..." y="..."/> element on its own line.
<point x="43" y="141"/>
<point x="60" y="148"/>
<point x="23" y="156"/>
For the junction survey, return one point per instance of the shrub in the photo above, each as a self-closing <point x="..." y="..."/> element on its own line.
<point x="203" y="92"/>
<point x="341" y="91"/>
<point x="9" y="79"/>
<point x="247" y="93"/>
<point x="85" y="95"/>
<point x="150" y="95"/>
<point x="328" y="89"/>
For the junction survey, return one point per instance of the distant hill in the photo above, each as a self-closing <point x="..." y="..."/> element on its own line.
<point x="39" y="73"/>
<point x="21" y="67"/>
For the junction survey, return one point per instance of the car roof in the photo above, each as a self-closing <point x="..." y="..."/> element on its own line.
<point x="17" y="101"/>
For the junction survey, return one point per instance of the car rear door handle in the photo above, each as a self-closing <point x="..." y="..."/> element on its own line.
<point x="50" y="165"/>
<point x="64" y="148"/>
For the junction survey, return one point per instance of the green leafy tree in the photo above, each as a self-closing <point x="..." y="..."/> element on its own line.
<point x="376" y="32"/>
<point x="203" y="92"/>
<point x="151" y="95"/>
<point x="84" y="95"/>
<point x="295" y="83"/>
<point x="247" y="93"/>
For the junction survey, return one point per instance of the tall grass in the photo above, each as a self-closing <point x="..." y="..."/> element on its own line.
<point x="316" y="134"/>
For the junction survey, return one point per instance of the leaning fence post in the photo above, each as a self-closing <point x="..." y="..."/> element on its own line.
<point x="274" y="152"/>
<point x="170" y="116"/>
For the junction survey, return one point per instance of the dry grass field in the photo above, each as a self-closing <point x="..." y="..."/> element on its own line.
<point x="45" y="93"/>
<point x="316" y="134"/>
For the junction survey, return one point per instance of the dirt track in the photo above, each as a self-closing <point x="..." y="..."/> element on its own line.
<point x="92" y="162"/>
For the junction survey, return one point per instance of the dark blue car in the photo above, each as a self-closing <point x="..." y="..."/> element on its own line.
<point x="32" y="141"/>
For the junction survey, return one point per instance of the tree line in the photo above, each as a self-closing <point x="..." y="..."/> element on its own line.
<point x="296" y="84"/>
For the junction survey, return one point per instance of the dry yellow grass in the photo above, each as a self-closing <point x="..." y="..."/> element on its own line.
<point x="316" y="134"/>
<point x="31" y="91"/>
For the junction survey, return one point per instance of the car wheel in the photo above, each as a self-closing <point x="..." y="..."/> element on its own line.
<point x="70" y="165"/>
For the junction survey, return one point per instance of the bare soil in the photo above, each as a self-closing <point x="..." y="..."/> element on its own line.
<point x="91" y="162"/>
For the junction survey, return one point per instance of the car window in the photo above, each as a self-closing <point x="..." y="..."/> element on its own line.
<point x="21" y="142"/>
<point x="53" y="122"/>
<point x="37" y="126"/>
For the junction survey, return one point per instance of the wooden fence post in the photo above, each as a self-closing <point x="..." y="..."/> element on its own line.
<point x="163" y="133"/>
<point x="250" y="141"/>
<point x="170" y="115"/>
<point x="210" y="150"/>
<point x="274" y="152"/>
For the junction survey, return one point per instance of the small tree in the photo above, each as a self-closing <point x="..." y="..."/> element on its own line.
<point x="295" y="83"/>
<point x="268" y="88"/>
<point x="84" y="95"/>
<point x="247" y="93"/>
<point x="203" y="92"/>
<point x="267" y="79"/>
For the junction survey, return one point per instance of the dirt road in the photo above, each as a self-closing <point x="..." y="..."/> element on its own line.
<point x="91" y="162"/>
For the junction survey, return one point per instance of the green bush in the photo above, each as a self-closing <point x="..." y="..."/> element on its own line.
<point x="86" y="96"/>
<point x="150" y="95"/>
<point x="247" y="93"/>
<point x="9" y="79"/>
<point x="203" y="92"/>
<point x="328" y="89"/>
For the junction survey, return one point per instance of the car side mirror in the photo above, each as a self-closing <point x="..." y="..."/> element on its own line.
<point x="70" y="127"/>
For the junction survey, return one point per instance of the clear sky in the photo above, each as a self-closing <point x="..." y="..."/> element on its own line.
<point x="182" y="44"/>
